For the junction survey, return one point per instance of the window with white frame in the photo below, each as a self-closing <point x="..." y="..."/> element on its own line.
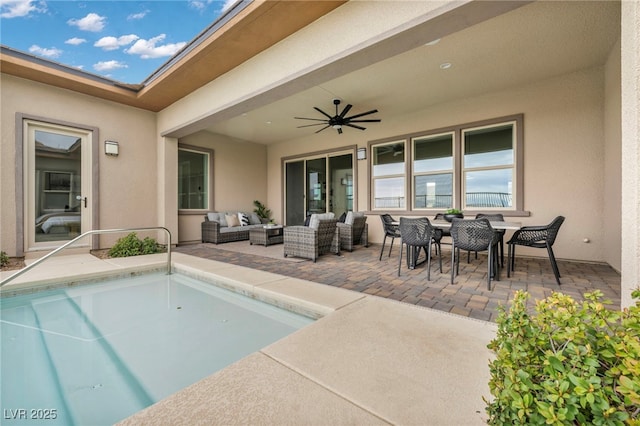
<point x="488" y="166"/>
<point x="389" y="175"/>
<point x="433" y="171"/>
<point x="474" y="166"/>
<point x="194" y="174"/>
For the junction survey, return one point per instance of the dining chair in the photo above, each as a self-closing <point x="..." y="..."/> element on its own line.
<point x="494" y="217"/>
<point x="474" y="235"/>
<point x="417" y="233"/>
<point x="391" y="230"/>
<point x="537" y="237"/>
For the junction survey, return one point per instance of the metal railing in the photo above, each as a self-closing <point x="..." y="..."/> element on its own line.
<point x="79" y="237"/>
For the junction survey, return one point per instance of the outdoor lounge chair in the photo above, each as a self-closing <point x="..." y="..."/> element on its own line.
<point x="353" y="232"/>
<point x="538" y="237"/>
<point x="310" y="242"/>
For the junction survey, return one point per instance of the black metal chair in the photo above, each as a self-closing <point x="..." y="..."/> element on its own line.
<point x="537" y="237"/>
<point x="390" y="230"/>
<point x="494" y="217"/>
<point x="474" y="235"/>
<point x="416" y="234"/>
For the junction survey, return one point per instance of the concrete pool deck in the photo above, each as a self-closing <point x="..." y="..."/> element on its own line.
<point x="367" y="360"/>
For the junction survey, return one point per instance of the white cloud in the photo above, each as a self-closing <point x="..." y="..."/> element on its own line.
<point x="43" y="51"/>
<point x="92" y="22"/>
<point x="227" y="4"/>
<point x="20" y="8"/>
<point x="113" y="43"/>
<point x="147" y="49"/>
<point x="109" y="65"/>
<point x="136" y="16"/>
<point x="75" y="41"/>
<point x="197" y="4"/>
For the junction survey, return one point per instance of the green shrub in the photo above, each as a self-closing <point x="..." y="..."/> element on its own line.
<point x="571" y="363"/>
<point x="4" y="259"/>
<point x="131" y="245"/>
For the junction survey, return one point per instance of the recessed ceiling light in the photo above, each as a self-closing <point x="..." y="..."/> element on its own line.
<point x="268" y="122"/>
<point x="445" y="66"/>
<point x="432" y="42"/>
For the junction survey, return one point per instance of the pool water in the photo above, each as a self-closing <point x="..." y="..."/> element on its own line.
<point x="98" y="353"/>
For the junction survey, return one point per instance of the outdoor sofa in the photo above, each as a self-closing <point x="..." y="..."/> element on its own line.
<point x="224" y="227"/>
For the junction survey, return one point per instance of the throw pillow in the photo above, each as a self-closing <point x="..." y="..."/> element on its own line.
<point x="243" y="218"/>
<point x="213" y="216"/>
<point x="232" y="220"/>
<point x="342" y="218"/>
<point x="307" y="219"/>
<point x="351" y="216"/>
<point x="254" y="219"/>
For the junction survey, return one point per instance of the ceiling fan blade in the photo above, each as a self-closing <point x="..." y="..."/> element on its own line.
<point x="311" y="125"/>
<point x="354" y="126"/>
<point x="373" y="120"/>
<point x="313" y="119"/>
<point x="322" y="112"/>
<point x="325" y="127"/>
<point x="345" y="110"/>
<point x="361" y="114"/>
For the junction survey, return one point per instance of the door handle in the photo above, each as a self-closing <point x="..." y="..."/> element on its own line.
<point x="81" y="198"/>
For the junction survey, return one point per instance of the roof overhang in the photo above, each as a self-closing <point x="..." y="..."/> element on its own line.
<point x="257" y="26"/>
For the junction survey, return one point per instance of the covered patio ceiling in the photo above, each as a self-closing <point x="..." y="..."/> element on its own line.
<point x="534" y="42"/>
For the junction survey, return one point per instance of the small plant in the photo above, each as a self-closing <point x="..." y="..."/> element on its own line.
<point x="453" y="211"/>
<point x="261" y="210"/>
<point x="572" y="363"/>
<point x="4" y="259"/>
<point x="131" y="245"/>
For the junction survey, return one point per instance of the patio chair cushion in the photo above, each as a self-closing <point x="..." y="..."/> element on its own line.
<point x="254" y="219"/>
<point x="317" y="217"/>
<point x="351" y="217"/>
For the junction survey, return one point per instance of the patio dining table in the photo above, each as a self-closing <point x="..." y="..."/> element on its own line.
<point x="443" y="224"/>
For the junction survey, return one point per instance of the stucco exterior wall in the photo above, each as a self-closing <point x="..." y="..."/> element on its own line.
<point x="564" y="152"/>
<point x="239" y="172"/>
<point x="612" y="219"/>
<point x="122" y="204"/>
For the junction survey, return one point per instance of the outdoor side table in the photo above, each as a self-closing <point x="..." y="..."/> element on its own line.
<point x="267" y="235"/>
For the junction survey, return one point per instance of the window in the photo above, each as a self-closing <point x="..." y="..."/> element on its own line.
<point x="488" y="167"/>
<point x="389" y="176"/>
<point x="474" y="166"/>
<point x="433" y="171"/>
<point x="194" y="172"/>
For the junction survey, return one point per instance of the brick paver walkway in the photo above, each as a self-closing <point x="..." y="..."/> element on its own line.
<point x="361" y="271"/>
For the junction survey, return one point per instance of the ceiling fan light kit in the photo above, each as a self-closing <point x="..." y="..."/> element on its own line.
<point x="339" y="121"/>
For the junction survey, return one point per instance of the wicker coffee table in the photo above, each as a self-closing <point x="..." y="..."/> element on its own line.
<point x="267" y="235"/>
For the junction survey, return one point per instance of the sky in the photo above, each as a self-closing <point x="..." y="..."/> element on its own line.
<point x="124" y="40"/>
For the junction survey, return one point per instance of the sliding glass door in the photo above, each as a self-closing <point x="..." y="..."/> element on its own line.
<point x="318" y="185"/>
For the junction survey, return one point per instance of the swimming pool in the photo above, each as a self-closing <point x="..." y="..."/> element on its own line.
<point x="98" y="353"/>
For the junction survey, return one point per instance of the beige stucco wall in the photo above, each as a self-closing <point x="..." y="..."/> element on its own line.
<point x="122" y="204"/>
<point x="630" y="169"/>
<point x="612" y="220"/>
<point x="564" y="152"/>
<point x="239" y="172"/>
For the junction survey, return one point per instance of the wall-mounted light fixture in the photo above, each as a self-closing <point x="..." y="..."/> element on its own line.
<point x="111" y="148"/>
<point x="361" y="154"/>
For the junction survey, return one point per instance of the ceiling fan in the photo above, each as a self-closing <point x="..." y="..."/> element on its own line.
<point x="339" y="120"/>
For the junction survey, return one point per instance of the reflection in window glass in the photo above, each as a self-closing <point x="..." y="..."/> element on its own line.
<point x="489" y="188"/>
<point x="193" y="179"/>
<point x="388" y="159"/>
<point x="434" y="153"/>
<point x="433" y="191"/>
<point x="488" y="147"/>
<point x="389" y="193"/>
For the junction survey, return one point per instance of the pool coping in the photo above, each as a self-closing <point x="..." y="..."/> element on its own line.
<point x="366" y="360"/>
